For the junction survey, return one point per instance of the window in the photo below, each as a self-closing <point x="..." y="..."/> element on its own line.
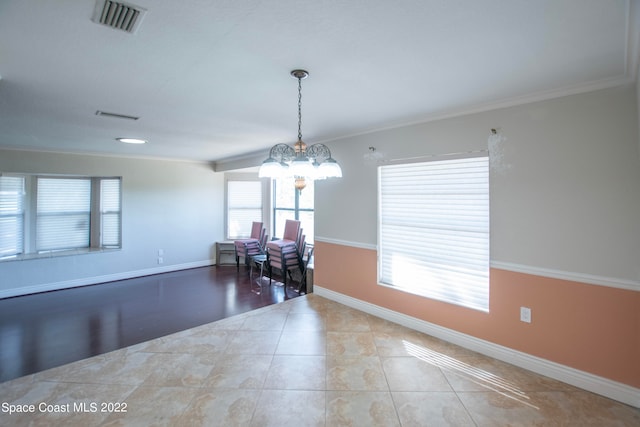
<point x="244" y="206"/>
<point x="63" y="213"/>
<point x="110" y="213"/>
<point x="11" y="215"/>
<point x="289" y="203"/>
<point x="434" y="229"/>
<point x="44" y="214"/>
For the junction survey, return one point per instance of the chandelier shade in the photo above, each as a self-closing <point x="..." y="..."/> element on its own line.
<point x="300" y="162"/>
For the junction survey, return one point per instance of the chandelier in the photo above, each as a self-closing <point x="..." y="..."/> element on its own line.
<point x="300" y="162"/>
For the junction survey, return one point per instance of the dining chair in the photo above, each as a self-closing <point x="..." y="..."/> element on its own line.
<point x="254" y="245"/>
<point x="286" y="253"/>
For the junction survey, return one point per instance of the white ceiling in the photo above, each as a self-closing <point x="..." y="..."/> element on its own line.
<point x="210" y="79"/>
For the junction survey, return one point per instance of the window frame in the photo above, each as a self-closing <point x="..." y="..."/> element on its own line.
<point x="296" y="209"/>
<point x="231" y="177"/>
<point x="453" y="276"/>
<point x="20" y="214"/>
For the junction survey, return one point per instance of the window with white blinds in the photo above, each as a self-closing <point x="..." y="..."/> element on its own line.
<point x="44" y="214"/>
<point x="63" y="213"/>
<point x="244" y="205"/>
<point x="12" y="212"/>
<point x="434" y="229"/>
<point x="110" y="213"/>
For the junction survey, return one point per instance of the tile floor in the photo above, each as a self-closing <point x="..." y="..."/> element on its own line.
<point x="308" y="361"/>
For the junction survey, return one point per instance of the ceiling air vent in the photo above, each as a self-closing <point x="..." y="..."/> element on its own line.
<point x="118" y="15"/>
<point x="115" y="115"/>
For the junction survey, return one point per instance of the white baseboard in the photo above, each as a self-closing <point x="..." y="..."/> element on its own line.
<point x="584" y="380"/>
<point x="45" y="287"/>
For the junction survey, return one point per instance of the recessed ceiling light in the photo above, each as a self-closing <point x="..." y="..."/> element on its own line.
<point x="131" y="140"/>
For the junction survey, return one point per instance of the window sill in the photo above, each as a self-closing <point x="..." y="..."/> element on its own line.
<point x="57" y="254"/>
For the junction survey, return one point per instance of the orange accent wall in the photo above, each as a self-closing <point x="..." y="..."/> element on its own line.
<point x="591" y="328"/>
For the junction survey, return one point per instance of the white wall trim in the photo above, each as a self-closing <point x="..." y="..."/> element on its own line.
<point x="346" y="243"/>
<point x="584" y="380"/>
<point x="45" y="287"/>
<point x="591" y="279"/>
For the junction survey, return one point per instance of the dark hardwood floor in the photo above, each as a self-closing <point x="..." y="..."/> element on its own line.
<point x="49" y="329"/>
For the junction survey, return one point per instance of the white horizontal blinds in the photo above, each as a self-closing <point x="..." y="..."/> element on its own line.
<point x="434" y="229"/>
<point x="12" y="195"/>
<point x="63" y="213"/>
<point x="244" y="205"/>
<point x="110" y="213"/>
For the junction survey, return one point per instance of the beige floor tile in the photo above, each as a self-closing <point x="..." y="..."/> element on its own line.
<point x="344" y="319"/>
<point x="362" y="373"/>
<point x="297" y="373"/>
<point x="412" y="374"/>
<point x="116" y="368"/>
<point x="239" y="371"/>
<point x="305" y="322"/>
<point x="220" y="407"/>
<point x="495" y="409"/>
<point x="300" y="408"/>
<point x="302" y="343"/>
<point x="184" y="370"/>
<point x="157" y="406"/>
<point x="431" y="409"/>
<point x="351" y="344"/>
<point x="253" y="342"/>
<point x="359" y="408"/>
<point x="271" y="320"/>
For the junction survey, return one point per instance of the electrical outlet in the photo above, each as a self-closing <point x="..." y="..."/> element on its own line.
<point x="160" y="252"/>
<point x="160" y="260"/>
<point x="525" y="314"/>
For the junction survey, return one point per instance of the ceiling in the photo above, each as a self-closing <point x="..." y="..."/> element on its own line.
<point x="209" y="79"/>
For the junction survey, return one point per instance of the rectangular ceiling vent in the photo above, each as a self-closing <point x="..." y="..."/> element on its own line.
<point x="118" y="15"/>
<point x="115" y="115"/>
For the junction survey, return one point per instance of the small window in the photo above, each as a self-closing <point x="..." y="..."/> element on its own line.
<point x="244" y="206"/>
<point x="434" y="230"/>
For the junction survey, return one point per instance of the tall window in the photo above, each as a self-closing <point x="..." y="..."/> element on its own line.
<point x="244" y="206"/>
<point x="46" y="214"/>
<point x="289" y="203"/>
<point x="12" y="212"/>
<point x="110" y="213"/>
<point x="434" y="229"/>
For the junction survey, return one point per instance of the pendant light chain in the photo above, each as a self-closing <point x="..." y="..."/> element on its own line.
<point x="299" y="109"/>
